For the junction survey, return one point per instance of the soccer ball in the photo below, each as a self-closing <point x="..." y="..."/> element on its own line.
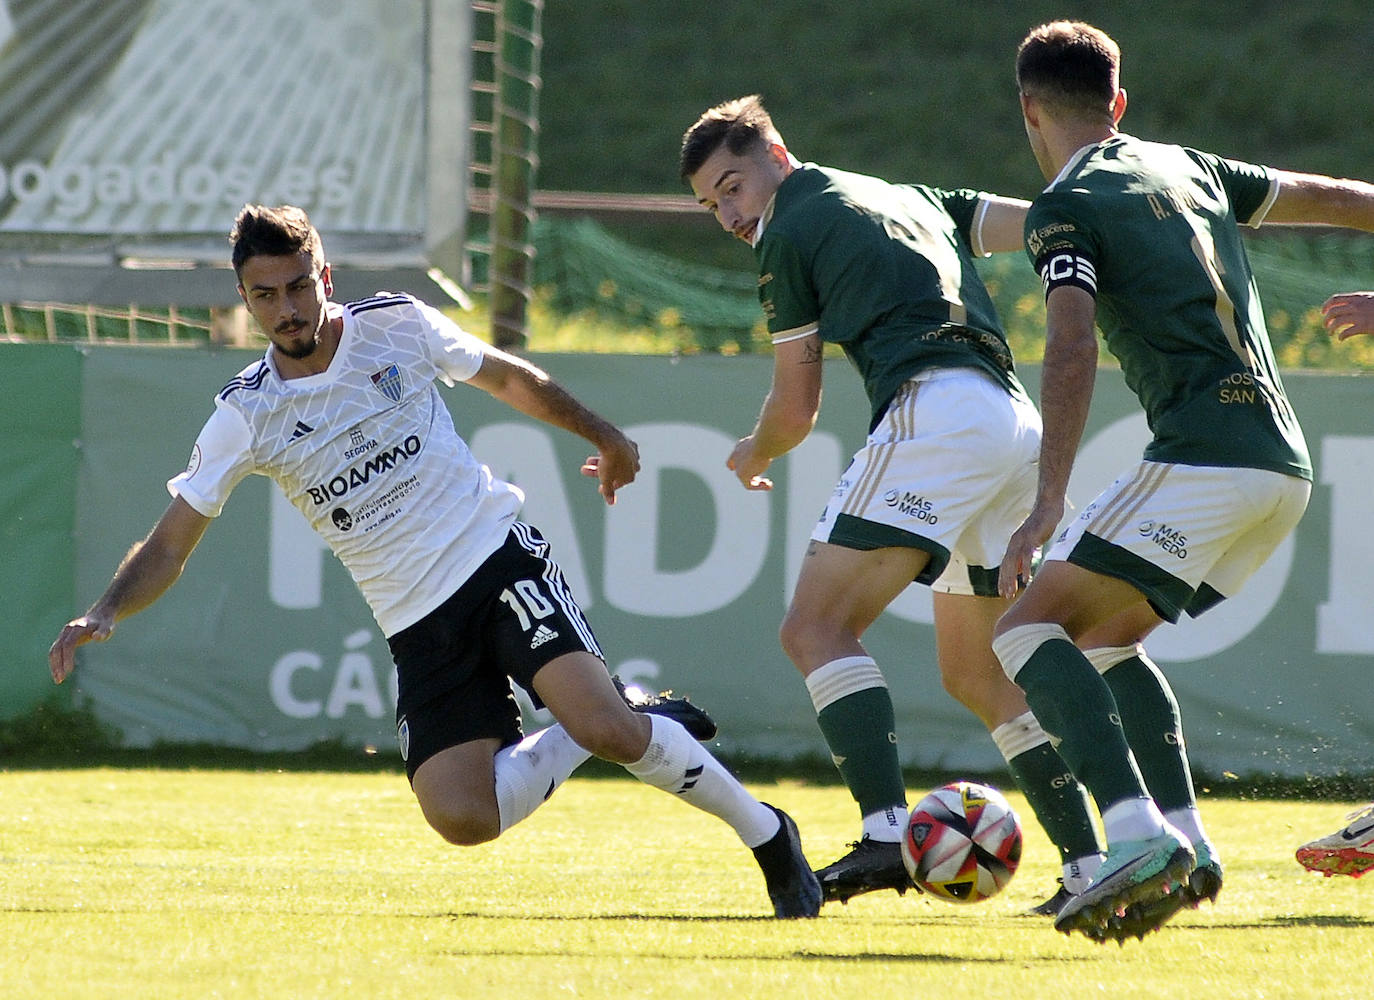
<point x="963" y="842"/>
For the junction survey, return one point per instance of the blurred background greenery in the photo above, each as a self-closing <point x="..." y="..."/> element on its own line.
<point x="921" y="90"/>
<point x="910" y="90"/>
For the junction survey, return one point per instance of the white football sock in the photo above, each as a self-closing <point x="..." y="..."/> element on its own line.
<point x="886" y="825"/>
<point x="529" y="772"/>
<point x="1189" y="822"/>
<point x="679" y="764"/>
<point x="1080" y="871"/>
<point x="1132" y="819"/>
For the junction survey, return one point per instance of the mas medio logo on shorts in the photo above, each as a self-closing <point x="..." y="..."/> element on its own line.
<point x="1170" y="540"/>
<point x="913" y="505"/>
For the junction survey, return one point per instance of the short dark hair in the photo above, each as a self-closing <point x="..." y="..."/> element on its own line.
<point x="1071" y="66"/>
<point x="739" y="125"/>
<point x="275" y="232"/>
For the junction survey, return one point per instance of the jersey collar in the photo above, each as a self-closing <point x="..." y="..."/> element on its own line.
<point x="1079" y="156"/>
<point x="772" y="203"/>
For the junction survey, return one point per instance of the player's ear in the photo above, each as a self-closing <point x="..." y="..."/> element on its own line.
<point x="328" y="280"/>
<point x="1118" y="106"/>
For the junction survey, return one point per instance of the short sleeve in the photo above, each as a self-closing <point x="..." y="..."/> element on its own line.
<point x="457" y="354"/>
<point x="1251" y="187"/>
<point x="1061" y="242"/>
<point x="1057" y="223"/>
<point x="220" y="459"/>
<point x="786" y="292"/>
<point x="967" y="208"/>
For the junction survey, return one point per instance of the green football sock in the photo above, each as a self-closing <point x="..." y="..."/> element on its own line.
<point x="1059" y="802"/>
<point x="861" y="731"/>
<point x="1074" y="703"/>
<point x="1154" y="729"/>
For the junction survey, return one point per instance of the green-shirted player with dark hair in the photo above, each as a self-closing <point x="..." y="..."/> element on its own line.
<point x="948" y="470"/>
<point x="1142" y="239"/>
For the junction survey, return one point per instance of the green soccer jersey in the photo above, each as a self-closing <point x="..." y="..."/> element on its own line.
<point x="884" y="270"/>
<point x="1152" y="231"/>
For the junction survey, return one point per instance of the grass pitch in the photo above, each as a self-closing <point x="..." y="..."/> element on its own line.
<point x="171" y="883"/>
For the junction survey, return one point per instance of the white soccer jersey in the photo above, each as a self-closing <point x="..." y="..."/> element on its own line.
<point x="368" y="453"/>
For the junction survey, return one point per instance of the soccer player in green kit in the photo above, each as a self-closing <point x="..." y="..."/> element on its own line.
<point x="1142" y="239"/>
<point x="948" y="471"/>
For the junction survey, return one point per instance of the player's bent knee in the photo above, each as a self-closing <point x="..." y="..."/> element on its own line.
<point x="1016" y="645"/>
<point x="969" y="692"/>
<point x="990" y="699"/>
<point x="456" y="791"/>
<point x="462" y="827"/>
<point x="788" y="634"/>
<point x="803" y="638"/>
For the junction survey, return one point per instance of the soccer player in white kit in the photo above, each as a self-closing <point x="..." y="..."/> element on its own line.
<point x="343" y="414"/>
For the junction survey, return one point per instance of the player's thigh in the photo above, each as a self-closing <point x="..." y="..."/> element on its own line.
<point x="577" y="689"/>
<point x="846" y="587"/>
<point x="1072" y="597"/>
<point x="1126" y="628"/>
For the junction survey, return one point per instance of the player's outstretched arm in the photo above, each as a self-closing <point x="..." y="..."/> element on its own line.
<point x="529" y="389"/>
<point x="1349" y="314"/>
<point x="1004" y="224"/>
<point x="144" y="575"/>
<point x="1315" y="199"/>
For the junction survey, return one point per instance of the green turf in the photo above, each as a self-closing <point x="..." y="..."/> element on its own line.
<point x="217" y="883"/>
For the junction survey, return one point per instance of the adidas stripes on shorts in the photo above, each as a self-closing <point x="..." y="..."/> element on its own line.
<point x="454" y="666"/>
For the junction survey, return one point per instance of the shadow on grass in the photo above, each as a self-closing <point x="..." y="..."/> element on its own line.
<point x="887" y="958"/>
<point x="1321" y="920"/>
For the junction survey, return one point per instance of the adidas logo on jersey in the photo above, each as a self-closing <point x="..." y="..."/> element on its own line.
<point x="302" y="429"/>
<point x="542" y="635"/>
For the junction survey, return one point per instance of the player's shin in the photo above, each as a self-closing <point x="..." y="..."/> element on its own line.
<point x="1150" y="719"/>
<point x="855" y="714"/>
<point x="531" y="770"/>
<point x="1059" y="802"/>
<point x="677" y="763"/>
<point x="1073" y="704"/>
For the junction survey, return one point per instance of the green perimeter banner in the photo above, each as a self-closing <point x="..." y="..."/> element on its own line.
<point x="40" y="425"/>
<point x="265" y="643"/>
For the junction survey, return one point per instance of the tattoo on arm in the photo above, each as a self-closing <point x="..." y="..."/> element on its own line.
<point x="812" y="354"/>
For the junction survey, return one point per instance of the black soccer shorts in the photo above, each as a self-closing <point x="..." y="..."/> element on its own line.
<point x="454" y="666"/>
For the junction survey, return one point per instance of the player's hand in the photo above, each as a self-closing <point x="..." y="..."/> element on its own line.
<point x="749" y="465"/>
<point x="1349" y="314"/>
<point x="1019" y="560"/>
<point x="77" y="632"/>
<point x="615" y="466"/>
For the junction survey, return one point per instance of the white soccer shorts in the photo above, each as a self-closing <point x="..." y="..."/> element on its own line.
<point x="950" y="469"/>
<point x="1186" y="536"/>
